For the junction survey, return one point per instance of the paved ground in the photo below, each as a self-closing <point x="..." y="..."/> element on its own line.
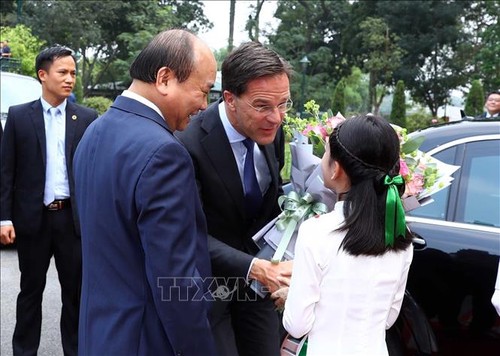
<point x="50" y="344"/>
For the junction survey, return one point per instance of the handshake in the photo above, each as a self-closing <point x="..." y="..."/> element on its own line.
<point x="275" y="277"/>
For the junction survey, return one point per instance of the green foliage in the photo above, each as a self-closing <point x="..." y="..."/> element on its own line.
<point x="312" y="28"/>
<point x="107" y="35"/>
<point x="418" y="120"/>
<point x="480" y="43"/>
<point x="429" y="33"/>
<point x="381" y="56"/>
<point x="24" y="46"/>
<point x="220" y="55"/>
<point x="78" y="89"/>
<point x="338" y="102"/>
<point x="99" y="103"/>
<point x="356" y="92"/>
<point x="475" y="99"/>
<point x="285" y="172"/>
<point x="398" y="112"/>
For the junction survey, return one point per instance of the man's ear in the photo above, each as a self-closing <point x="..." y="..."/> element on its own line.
<point x="42" y="74"/>
<point x="229" y="99"/>
<point x="163" y="77"/>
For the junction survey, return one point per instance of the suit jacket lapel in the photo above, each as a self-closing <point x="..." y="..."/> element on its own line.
<point x="36" y="115"/>
<point x="71" y="122"/>
<point x="271" y="163"/>
<point x="221" y="156"/>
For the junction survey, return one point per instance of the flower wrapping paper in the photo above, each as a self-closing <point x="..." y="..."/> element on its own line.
<point x="305" y="177"/>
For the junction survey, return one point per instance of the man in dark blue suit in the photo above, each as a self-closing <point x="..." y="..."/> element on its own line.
<point x="144" y="238"/>
<point x="256" y="96"/>
<point x="38" y="210"/>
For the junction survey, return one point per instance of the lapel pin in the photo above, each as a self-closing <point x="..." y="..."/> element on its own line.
<point x="73" y="117"/>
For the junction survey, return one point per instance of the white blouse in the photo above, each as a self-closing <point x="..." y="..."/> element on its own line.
<point x="345" y="303"/>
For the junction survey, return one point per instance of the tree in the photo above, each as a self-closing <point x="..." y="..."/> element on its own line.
<point x="475" y="99"/>
<point x="480" y="42"/>
<point x="338" y="102"/>
<point x="232" y="11"/>
<point x="108" y="34"/>
<point x="24" y="46"/>
<point x="252" y="25"/>
<point x="429" y="33"/>
<point x="356" y="92"/>
<point x="381" y="57"/>
<point x="313" y="28"/>
<point x="398" y="112"/>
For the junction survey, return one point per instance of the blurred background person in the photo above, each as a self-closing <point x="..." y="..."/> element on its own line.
<point x="491" y="106"/>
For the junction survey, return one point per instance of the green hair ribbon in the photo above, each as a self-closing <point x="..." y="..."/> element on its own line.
<point x="395" y="224"/>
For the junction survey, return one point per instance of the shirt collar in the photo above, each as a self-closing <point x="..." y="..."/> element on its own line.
<point x="46" y="106"/>
<point x="142" y="100"/>
<point x="233" y="135"/>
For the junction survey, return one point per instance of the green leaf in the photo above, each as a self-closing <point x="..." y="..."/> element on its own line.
<point x="412" y="144"/>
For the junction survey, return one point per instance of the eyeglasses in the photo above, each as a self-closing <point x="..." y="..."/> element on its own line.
<point x="269" y="109"/>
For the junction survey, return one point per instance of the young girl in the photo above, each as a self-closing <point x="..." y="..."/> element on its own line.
<point x="351" y="265"/>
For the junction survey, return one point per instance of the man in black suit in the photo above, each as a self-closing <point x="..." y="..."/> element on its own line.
<point x="492" y="106"/>
<point x="256" y="96"/>
<point x="37" y="206"/>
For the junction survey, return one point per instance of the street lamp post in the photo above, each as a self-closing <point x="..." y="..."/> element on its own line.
<point x="304" y="62"/>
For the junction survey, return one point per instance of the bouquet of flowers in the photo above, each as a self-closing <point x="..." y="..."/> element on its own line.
<point x="423" y="175"/>
<point x="308" y="196"/>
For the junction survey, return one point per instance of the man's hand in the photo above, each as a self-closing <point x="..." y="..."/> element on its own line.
<point x="7" y="234"/>
<point x="269" y="273"/>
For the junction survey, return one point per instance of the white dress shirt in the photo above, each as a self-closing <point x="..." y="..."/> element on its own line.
<point x="345" y="303"/>
<point x="239" y="150"/>
<point x="56" y="176"/>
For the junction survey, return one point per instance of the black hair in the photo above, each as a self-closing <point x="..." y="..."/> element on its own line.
<point x="172" y="49"/>
<point x="46" y="57"/>
<point x="250" y="61"/>
<point x="497" y="92"/>
<point x="367" y="148"/>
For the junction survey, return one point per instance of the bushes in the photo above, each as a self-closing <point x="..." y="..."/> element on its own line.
<point x="99" y="103"/>
<point x="418" y="120"/>
<point x="475" y="99"/>
<point x="338" y="103"/>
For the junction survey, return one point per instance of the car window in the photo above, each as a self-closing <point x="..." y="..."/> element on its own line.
<point x="479" y="198"/>
<point x="438" y="208"/>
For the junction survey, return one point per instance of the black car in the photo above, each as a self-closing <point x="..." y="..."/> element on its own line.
<point x="448" y="309"/>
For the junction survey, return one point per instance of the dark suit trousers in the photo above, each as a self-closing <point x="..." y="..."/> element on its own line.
<point x="57" y="238"/>
<point x="245" y="325"/>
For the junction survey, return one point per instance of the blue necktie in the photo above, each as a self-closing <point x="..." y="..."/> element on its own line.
<point x="253" y="195"/>
<point x="51" y="156"/>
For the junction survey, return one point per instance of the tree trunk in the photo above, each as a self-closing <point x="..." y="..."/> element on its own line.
<point x="232" y="11"/>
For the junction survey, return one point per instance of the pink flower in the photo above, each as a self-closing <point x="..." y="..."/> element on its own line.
<point x="415" y="186"/>
<point x="321" y="131"/>
<point x="403" y="168"/>
<point x="334" y="121"/>
<point x="318" y="130"/>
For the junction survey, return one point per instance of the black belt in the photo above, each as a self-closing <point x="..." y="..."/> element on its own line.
<point x="58" y="205"/>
